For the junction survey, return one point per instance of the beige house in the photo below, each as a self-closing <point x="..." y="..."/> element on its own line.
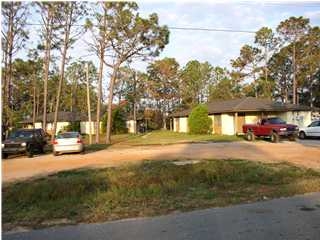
<point x="228" y="116"/>
<point x="64" y="119"/>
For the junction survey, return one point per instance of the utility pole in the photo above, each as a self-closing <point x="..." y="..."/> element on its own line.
<point x="294" y="75"/>
<point x="88" y="102"/>
<point x="134" y="103"/>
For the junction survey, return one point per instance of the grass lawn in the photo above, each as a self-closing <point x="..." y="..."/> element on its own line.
<point x="159" y="137"/>
<point x="163" y="137"/>
<point x="148" y="189"/>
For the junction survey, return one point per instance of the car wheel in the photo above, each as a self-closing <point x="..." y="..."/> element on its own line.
<point x="41" y="149"/>
<point x="55" y="153"/>
<point x="83" y="151"/>
<point x="250" y="136"/>
<point x="302" y="135"/>
<point x="30" y="153"/>
<point x="4" y="155"/>
<point x="292" y="138"/>
<point x="274" y="137"/>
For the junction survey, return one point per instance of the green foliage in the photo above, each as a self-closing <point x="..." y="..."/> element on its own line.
<point x="72" y="127"/>
<point x="118" y="121"/>
<point x="221" y="90"/>
<point x="149" y="188"/>
<point x="154" y="119"/>
<point x="198" y="121"/>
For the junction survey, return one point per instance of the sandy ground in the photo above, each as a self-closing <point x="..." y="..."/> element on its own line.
<point x="302" y="154"/>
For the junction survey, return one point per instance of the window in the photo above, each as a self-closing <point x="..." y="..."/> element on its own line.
<point x="68" y="135"/>
<point x="315" y="124"/>
<point x="276" y="121"/>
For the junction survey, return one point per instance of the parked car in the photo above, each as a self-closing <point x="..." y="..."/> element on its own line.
<point x="273" y="128"/>
<point x="68" y="142"/>
<point x="312" y="130"/>
<point x="26" y="141"/>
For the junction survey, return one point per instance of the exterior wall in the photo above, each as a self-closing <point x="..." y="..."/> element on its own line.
<point x="183" y="124"/>
<point x="227" y="121"/>
<point x="38" y="125"/>
<point x="251" y="118"/>
<point x="131" y="125"/>
<point x="85" y="127"/>
<point x="60" y="126"/>
<point x="300" y="118"/>
<point x="176" y="124"/>
<point x="212" y="126"/>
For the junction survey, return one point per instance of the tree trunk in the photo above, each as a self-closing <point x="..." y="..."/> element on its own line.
<point x="46" y="68"/>
<point x="34" y="102"/>
<point x="134" y="103"/>
<point x="99" y="96"/>
<point x="294" y="85"/>
<point x="9" y="73"/>
<point x="269" y="87"/>
<point x="62" y="67"/>
<point x="102" y="49"/>
<point x="38" y="103"/>
<point x="88" y="102"/>
<point x="110" y="98"/>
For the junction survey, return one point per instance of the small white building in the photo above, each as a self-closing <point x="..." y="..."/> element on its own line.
<point x="65" y="119"/>
<point x="228" y="116"/>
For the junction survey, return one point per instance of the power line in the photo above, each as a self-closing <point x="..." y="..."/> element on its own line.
<point x="173" y="28"/>
<point x="211" y="29"/>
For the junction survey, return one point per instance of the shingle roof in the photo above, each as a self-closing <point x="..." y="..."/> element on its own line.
<point x="249" y="104"/>
<point x="64" y="117"/>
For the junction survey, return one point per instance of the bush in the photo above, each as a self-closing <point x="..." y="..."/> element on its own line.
<point x="118" y="121"/>
<point x="198" y="121"/>
<point x="72" y="127"/>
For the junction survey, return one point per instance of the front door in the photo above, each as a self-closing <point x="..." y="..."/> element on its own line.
<point x="240" y="122"/>
<point x="217" y="124"/>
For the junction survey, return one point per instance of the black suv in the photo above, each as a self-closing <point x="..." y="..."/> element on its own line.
<point x="24" y="141"/>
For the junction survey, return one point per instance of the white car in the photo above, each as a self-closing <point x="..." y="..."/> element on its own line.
<point x="312" y="130"/>
<point x="68" y="142"/>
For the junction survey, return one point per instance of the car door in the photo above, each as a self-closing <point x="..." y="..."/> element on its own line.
<point x="313" y="129"/>
<point x="264" y="128"/>
<point x="37" y="139"/>
<point x="317" y="130"/>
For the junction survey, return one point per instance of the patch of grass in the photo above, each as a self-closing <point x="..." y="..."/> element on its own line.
<point x="148" y="189"/>
<point x="95" y="147"/>
<point x="163" y="137"/>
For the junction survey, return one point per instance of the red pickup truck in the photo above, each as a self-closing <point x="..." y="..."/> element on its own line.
<point x="274" y="128"/>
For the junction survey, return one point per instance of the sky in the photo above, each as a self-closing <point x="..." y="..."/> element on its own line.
<point x="218" y="48"/>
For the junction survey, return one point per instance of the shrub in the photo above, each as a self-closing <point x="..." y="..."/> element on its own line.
<point x="72" y="127"/>
<point x="118" y="121"/>
<point x="198" y="121"/>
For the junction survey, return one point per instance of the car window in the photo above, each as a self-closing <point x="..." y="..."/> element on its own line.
<point x="68" y="135"/>
<point x="276" y="121"/>
<point x="315" y="124"/>
<point x="37" y="134"/>
<point x="21" y="134"/>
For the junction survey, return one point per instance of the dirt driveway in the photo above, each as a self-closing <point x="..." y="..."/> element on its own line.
<point x="298" y="153"/>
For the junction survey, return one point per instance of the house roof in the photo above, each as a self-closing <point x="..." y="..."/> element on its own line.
<point x="248" y="104"/>
<point x="64" y="117"/>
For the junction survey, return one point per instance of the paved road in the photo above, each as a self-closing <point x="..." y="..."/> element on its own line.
<point x="303" y="153"/>
<point x="287" y="218"/>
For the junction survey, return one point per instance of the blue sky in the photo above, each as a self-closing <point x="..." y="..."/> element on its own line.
<point x="215" y="47"/>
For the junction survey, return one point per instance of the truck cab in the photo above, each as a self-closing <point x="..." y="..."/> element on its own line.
<point x="273" y="128"/>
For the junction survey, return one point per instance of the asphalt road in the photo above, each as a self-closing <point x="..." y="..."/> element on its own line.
<point x="287" y="218"/>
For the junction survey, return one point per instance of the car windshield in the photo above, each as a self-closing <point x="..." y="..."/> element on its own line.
<point x="21" y="134"/>
<point x="68" y="135"/>
<point x="276" y="121"/>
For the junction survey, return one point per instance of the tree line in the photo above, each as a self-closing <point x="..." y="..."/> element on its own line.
<point x="282" y="64"/>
